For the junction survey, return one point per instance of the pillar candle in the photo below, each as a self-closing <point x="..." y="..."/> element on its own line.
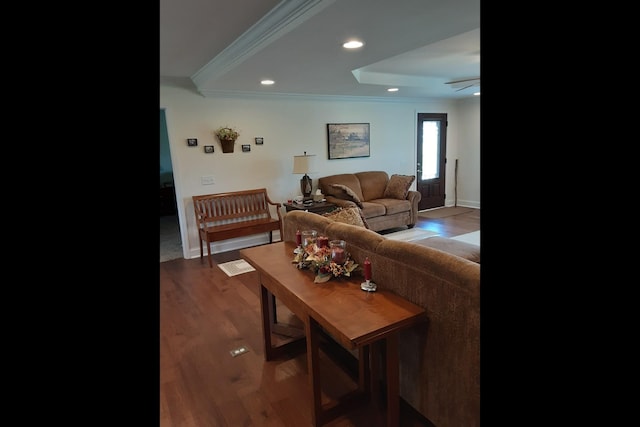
<point x="322" y="242"/>
<point x="367" y="269"/>
<point x="298" y="238"/>
<point x="337" y="255"/>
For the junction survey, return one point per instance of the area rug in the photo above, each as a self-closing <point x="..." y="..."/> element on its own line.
<point x="233" y="268"/>
<point x="444" y="212"/>
<point x="410" y="234"/>
<point x="473" y="238"/>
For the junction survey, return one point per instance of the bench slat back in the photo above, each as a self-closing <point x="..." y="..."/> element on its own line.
<point x="230" y="207"/>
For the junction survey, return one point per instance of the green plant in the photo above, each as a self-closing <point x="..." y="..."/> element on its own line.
<point x="227" y="133"/>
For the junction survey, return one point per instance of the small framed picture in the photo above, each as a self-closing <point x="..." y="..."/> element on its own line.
<point x="259" y="140"/>
<point x="208" y="148"/>
<point x="192" y="142"/>
<point x="246" y="147"/>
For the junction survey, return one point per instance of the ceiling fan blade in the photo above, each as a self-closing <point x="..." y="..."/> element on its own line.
<point x="462" y="84"/>
<point x="474" y="79"/>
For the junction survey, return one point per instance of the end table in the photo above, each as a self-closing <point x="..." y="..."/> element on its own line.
<point x="317" y="207"/>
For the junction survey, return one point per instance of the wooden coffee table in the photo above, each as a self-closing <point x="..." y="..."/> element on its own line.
<point x="368" y="322"/>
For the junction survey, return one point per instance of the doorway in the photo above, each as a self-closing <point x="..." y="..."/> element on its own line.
<point x="431" y="159"/>
<point x="170" y="240"/>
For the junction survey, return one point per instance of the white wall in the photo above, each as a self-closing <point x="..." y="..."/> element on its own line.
<point x="290" y="127"/>
<point x="467" y="153"/>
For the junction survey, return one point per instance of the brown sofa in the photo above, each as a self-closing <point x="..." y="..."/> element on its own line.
<point x="385" y="202"/>
<point x="439" y="360"/>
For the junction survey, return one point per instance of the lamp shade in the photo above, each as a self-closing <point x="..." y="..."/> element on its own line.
<point x="302" y="164"/>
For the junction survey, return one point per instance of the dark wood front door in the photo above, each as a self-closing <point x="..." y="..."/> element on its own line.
<point x="432" y="159"/>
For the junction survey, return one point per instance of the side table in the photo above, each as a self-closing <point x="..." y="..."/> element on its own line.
<point x="317" y="207"/>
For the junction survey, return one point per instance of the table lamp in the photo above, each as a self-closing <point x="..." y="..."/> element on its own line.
<point x="301" y="164"/>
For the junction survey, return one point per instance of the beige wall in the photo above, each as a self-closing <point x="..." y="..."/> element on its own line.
<point x="292" y="125"/>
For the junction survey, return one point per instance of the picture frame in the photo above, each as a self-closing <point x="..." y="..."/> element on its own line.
<point x="348" y="140"/>
<point x="246" y="147"/>
<point x="192" y="142"/>
<point x="208" y="149"/>
<point x="259" y="140"/>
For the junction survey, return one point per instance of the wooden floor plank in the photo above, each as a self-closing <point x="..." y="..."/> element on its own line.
<point x="204" y="314"/>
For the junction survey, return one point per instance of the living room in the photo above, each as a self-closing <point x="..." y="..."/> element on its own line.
<point x="206" y="313"/>
<point x="291" y="123"/>
<point x="291" y="127"/>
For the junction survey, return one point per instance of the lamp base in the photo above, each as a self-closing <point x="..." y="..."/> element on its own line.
<point x="306" y="185"/>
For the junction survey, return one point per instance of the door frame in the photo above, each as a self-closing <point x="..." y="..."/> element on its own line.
<point x="178" y="189"/>
<point x="433" y="191"/>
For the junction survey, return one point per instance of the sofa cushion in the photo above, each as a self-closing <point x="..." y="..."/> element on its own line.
<point x="372" y="184"/>
<point x="393" y="206"/>
<point x="398" y="186"/>
<point x="347" y="194"/>
<point x="348" y="216"/>
<point x="372" y="209"/>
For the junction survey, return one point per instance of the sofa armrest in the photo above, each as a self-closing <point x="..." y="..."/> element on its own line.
<point x="414" y="198"/>
<point x="341" y="203"/>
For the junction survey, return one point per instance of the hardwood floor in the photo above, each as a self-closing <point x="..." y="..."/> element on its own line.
<point x="453" y="225"/>
<point x="204" y="314"/>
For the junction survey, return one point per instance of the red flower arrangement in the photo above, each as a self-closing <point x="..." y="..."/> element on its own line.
<point x="318" y="259"/>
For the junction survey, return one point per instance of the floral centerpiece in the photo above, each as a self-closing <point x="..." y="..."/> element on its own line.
<point x="227" y="134"/>
<point x="318" y="259"/>
<point x="227" y="137"/>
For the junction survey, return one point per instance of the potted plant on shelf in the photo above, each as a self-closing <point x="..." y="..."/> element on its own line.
<point x="227" y="137"/>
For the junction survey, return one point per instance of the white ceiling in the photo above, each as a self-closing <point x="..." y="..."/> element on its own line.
<point x="225" y="47"/>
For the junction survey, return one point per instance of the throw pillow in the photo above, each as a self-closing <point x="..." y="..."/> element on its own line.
<point x="348" y="216"/>
<point x="398" y="186"/>
<point x="348" y="194"/>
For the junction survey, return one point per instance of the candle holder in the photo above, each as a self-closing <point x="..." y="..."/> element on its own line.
<point x="309" y="237"/>
<point x="322" y="242"/>
<point x="368" y="285"/>
<point x="338" y="251"/>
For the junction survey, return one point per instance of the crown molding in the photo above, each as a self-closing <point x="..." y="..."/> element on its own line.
<point x="286" y="16"/>
<point x="315" y="97"/>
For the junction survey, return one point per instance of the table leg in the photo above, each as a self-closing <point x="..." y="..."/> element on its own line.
<point x="268" y="310"/>
<point x="393" y="381"/>
<point x="374" y="381"/>
<point x="364" y="368"/>
<point x="265" y="308"/>
<point x="313" y="363"/>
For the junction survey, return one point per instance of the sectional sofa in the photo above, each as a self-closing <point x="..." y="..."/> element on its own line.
<point x="440" y="359"/>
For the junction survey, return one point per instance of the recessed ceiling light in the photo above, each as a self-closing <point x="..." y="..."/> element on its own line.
<point x="352" y="44"/>
<point x="267" y="82"/>
<point x="392" y="89"/>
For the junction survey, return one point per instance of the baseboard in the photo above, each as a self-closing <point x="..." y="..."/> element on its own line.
<point x="235" y="244"/>
<point x="464" y="204"/>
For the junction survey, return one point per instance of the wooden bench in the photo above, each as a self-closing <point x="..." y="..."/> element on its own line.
<point x="224" y="216"/>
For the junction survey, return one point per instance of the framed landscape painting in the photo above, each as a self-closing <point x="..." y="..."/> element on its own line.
<point x="348" y="140"/>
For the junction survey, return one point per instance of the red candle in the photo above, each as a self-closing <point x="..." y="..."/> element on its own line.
<point x="323" y="242"/>
<point x="337" y="255"/>
<point x="298" y="238"/>
<point x="367" y="269"/>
